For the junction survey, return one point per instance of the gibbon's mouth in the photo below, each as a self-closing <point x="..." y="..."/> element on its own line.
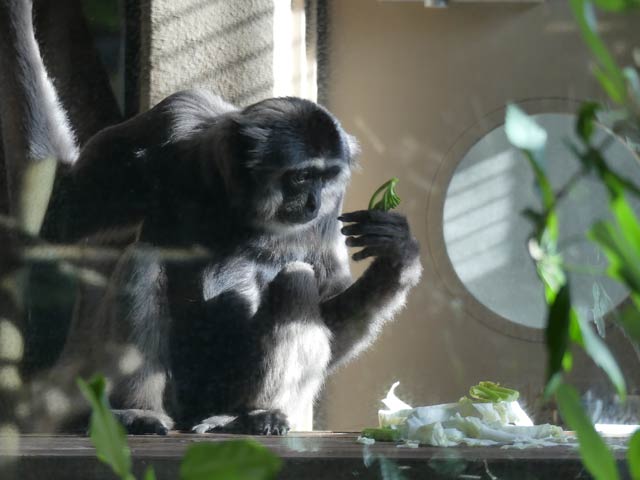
<point x="299" y="218"/>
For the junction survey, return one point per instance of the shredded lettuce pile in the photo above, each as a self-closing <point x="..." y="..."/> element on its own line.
<point x="492" y="416"/>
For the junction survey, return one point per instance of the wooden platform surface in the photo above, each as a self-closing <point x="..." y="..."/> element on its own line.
<point x="317" y="455"/>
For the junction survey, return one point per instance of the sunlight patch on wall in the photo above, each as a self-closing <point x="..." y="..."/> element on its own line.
<point x="294" y="63"/>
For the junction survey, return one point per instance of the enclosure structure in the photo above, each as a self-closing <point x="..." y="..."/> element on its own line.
<point x="425" y="91"/>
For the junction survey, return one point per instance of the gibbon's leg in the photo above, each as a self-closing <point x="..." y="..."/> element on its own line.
<point x="296" y="352"/>
<point x="125" y="338"/>
<point x="139" y="308"/>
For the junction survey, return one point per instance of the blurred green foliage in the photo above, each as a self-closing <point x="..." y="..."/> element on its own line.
<point x="103" y="15"/>
<point x="619" y="239"/>
<point x="229" y="460"/>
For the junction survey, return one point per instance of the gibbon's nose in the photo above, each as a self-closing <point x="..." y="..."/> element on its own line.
<point x="312" y="205"/>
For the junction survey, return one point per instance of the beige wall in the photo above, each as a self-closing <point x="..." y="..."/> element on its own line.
<point x="409" y="82"/>
<point x="226" y="46"/>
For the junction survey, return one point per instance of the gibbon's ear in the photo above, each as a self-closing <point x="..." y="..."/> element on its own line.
<point x="354" y="150"/>
<point x="256" y="140"/>
<point x="223" y="150"/>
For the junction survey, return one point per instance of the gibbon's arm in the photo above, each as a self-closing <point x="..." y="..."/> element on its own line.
<point x="357" y="315"/>
<point x="34" y="125"/>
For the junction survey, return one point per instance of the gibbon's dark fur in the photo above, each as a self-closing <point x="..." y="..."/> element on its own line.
<point x="243" y="339"/>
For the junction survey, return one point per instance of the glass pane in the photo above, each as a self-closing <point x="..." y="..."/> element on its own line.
<point x="486" y="232"/>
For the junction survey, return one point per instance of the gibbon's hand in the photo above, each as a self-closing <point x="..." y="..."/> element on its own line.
<point x="382" y="234"/>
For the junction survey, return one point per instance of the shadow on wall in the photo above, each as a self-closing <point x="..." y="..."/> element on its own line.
<point x="209" y="44"/>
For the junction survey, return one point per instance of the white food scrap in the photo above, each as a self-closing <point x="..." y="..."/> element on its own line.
<point x="466" y="422"/>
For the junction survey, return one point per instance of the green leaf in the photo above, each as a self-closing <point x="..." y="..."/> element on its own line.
<point x="629" y="319"/>
<point x="624" y="260"/>
<point x="107" y="434"/>
<point x="585" y="124"/>
<point x="552" y="385"/>
<point x="600" y="354"/>
<point x="607" y="71"/>
<point x="390" y="198"/>
<point x="149" y="474"/>
<point x="615" y="184"/>
<point x="527" y="135"/>
<point x="596" y="456"/>
<point x="382" y="434"/>
<point x="575" y="331"/>
<point x="232" y="460"/>
<point x="549" y="268"/>
<point x="522" y="131"/>
<point x="611" y="88"/>
<point x="617" y="5"/>
<point x="546" y="192"/>
<point x="557" y="332"/>
<point x="627" y="221"/>
<point x="633" y="456"/>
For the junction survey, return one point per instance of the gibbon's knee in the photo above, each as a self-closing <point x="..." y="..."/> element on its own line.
<point x="293" y="293"/>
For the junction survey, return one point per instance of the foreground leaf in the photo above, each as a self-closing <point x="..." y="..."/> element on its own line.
<point x="232" y="460"/>
<point x="617" y="5"/>
<point x="149" y="474"/>
<point x="600" y="354"/>
<point x="522" y="131"/>
<point x="629" y="319"/>
<point x="107" y="434"/>
<point x="633" y="456"/>
<point x="557" y="333"/>
<point x="549" y="265"/>
<point x="607" y="72"/>
<point x="585" y="125"/>
<point x="623" y="257"/>
<point x="596" y="456"/>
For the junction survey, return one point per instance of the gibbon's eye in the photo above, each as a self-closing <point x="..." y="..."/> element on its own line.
<point x="330" y="173"/>
<point x="298" y="177"/>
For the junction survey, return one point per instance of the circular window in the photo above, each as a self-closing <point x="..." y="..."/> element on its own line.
<point x="486" y="234"/>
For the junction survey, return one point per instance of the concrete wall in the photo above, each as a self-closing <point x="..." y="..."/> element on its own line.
<point x="417" y="86"/>
<point x="223" y="45"/>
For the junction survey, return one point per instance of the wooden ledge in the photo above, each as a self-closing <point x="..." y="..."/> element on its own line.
<point x="317" y="455"/>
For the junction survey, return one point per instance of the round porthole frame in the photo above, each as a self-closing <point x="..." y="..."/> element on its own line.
<point x="435" y="212"/>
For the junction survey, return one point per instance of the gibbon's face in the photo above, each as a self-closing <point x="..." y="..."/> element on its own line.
<point x="298" y="197"/>
<point x="310" y="191"/>
<point x="300" y="163"/>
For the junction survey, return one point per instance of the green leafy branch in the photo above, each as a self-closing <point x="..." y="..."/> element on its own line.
<point x="618" y="239"/>
<point x="565" y="327"/>
<point x="229" y="460"/>
<point x="108" y="436"/>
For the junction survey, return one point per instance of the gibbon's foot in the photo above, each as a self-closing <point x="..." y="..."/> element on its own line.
<point x="256" y="422"/>
<point x="144" y="422"/>
<point x="267" y="422"/>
